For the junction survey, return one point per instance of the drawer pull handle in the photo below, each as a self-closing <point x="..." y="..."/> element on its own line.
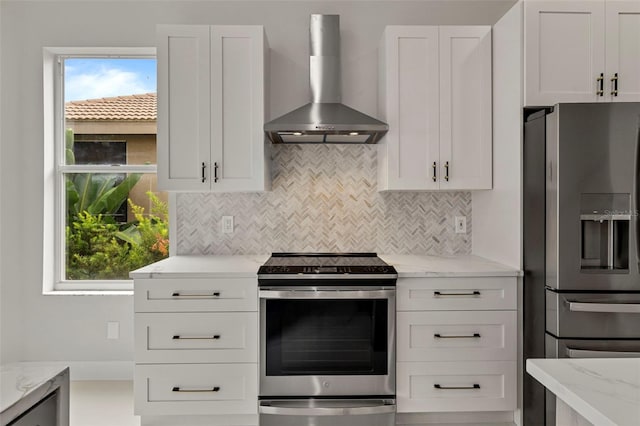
<point x="474" y="386"/>
<point x="440" y="294"/>
<point x="214" y="337"/>
<point x="179" y="389"/>
<point x="196" y="296"/>
<point x="459" y="336"/>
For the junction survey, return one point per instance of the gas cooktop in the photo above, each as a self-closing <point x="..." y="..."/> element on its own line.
<point x="325" y="264"/>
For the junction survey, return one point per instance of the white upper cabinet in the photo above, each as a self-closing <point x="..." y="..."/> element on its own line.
<point x="623" y="50"/>
<point x="436" y="96"/>
<point x="211" y="108"/>
<point x="579" y="51"/>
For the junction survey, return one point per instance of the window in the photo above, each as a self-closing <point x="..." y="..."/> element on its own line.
<point x="108" y="217"/>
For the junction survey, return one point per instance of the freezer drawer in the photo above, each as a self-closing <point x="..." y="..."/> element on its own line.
<point x="593" y="315"/>
<point x="577" y="348"/>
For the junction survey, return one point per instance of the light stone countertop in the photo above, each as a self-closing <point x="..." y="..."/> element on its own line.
<point x="606" y="392"/>
<point x="417" y="266"/>
<point x="241" y="266"/>
<point x="23" y="384"/>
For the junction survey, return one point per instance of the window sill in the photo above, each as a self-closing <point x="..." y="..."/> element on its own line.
<point x="88" y="293"/>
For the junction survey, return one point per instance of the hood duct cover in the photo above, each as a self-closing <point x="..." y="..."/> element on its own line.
<point x="325" y="119"/>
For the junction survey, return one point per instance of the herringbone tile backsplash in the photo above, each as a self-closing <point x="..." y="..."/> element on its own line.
<point x="324" y="198"/>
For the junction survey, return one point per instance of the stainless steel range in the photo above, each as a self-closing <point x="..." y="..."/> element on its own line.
<point x="327" y="340"/>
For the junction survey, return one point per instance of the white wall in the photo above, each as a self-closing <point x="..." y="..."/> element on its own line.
<point x="497" y="232"/>
<point x="73" y="328"/>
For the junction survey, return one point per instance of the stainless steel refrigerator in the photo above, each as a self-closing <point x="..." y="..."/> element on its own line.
<point x="581" y="238"/>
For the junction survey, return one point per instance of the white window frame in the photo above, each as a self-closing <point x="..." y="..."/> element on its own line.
<point x="54" y="224"/>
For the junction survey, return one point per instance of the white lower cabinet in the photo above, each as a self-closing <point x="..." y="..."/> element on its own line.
<point x="196" y="389"/>
<point x="196" y="351"/>
<point x="456" y="344"/>
<point x="456" y="386"/>
<point x="197" y="337"/>
<point x="456" y="336"/>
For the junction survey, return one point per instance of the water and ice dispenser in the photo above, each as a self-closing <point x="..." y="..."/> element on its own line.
<point x="604" y="220"/>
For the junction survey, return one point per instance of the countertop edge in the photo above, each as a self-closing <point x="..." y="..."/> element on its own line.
<point x="584" y="408"/>
<point x="58" y="378"/>
<point x="246" y="266"/>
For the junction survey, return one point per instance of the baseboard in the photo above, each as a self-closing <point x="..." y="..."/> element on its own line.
<point x="486" y="418"/>
<point x="95" y="370"/>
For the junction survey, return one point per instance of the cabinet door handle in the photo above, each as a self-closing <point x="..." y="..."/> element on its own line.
<point x="179" y="389"/>
<point x="446" y="171"/>
<point x="441" y="294"/>
<point x="204" y="166"/>
<point x="600" y="81"/>
<point x="215" y="172"/>
<point x="458" y="336"/>
<point x="214" y="337"/>
<point x="614" y="85"/>
<point x="474" y="386"/>
<point x="196" y="295"/>
<point x="435" y="168"/>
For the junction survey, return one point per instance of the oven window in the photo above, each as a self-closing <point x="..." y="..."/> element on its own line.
<point x="326" y="337"/>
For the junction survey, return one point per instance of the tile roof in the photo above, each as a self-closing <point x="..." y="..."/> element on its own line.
<point x="133" y="107"/>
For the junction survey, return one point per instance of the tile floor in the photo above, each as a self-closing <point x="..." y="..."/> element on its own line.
<point x="102" y="403"/>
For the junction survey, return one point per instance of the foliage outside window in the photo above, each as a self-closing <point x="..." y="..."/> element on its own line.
<point x="113" y="219"/>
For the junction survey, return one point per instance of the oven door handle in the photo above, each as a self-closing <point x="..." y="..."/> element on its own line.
<point x="277" y="408"/>
<point x="588" y="353"/>
<point x="326" y="294"/>
<point x="617" y="308"/>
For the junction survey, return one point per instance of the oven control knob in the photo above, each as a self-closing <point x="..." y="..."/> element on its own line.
<point x="326" y="384"/>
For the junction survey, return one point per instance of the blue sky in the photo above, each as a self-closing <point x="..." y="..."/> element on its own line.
<point x="91" y="78"/>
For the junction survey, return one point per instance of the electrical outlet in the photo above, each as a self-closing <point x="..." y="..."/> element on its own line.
<point x="227" y="224"/>
<point x="460" y="224"/>
<point x="113" y="330"/>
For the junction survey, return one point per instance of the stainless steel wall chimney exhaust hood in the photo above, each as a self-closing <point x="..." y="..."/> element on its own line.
<point x="325" y="119"/>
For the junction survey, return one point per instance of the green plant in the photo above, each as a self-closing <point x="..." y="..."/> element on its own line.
<point x="93" y="252"/>
<point x="98" y="249"/>
<point x="94" y="193"/>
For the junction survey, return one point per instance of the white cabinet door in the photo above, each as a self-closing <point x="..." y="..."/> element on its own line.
<point x="409" y="153"/>
<point x="436" y="96"/>
<point x="564" y="51"/>
<point x="457" y="294"/>
<point x="237" y="101"/>
<point x="456" y="336"/>
<point x="456" y="386"/>
<point x="623" y="51"/>
<point x="211" y="108"/>
<point x="196" y="337"/>
<point x="465" y="107"/>
<point x="183" y="107"/>
<point x="195" y="389"/>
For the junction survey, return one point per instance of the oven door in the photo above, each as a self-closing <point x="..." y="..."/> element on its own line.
<point x="327" y="341"/>
<point x="328" y="412"/>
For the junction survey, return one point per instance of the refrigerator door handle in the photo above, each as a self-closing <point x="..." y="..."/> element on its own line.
<point x="635" y="195"/>
<point x="587" y="353"/>
<point x="614" y="308"/>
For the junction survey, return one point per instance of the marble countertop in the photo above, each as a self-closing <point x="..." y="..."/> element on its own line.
<point x="18" y="381"/>
<point x="414" y="266"/>
<point x="604" y="391"/>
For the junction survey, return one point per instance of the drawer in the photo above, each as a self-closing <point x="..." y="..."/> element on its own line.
<point x="196" y="389"/>
<point x="196" y="294"/>
<point x="456" y="294"/>
<point x="196" y="337"/>
<point x="455" y="336"/>
<point x="456" y="386"/>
